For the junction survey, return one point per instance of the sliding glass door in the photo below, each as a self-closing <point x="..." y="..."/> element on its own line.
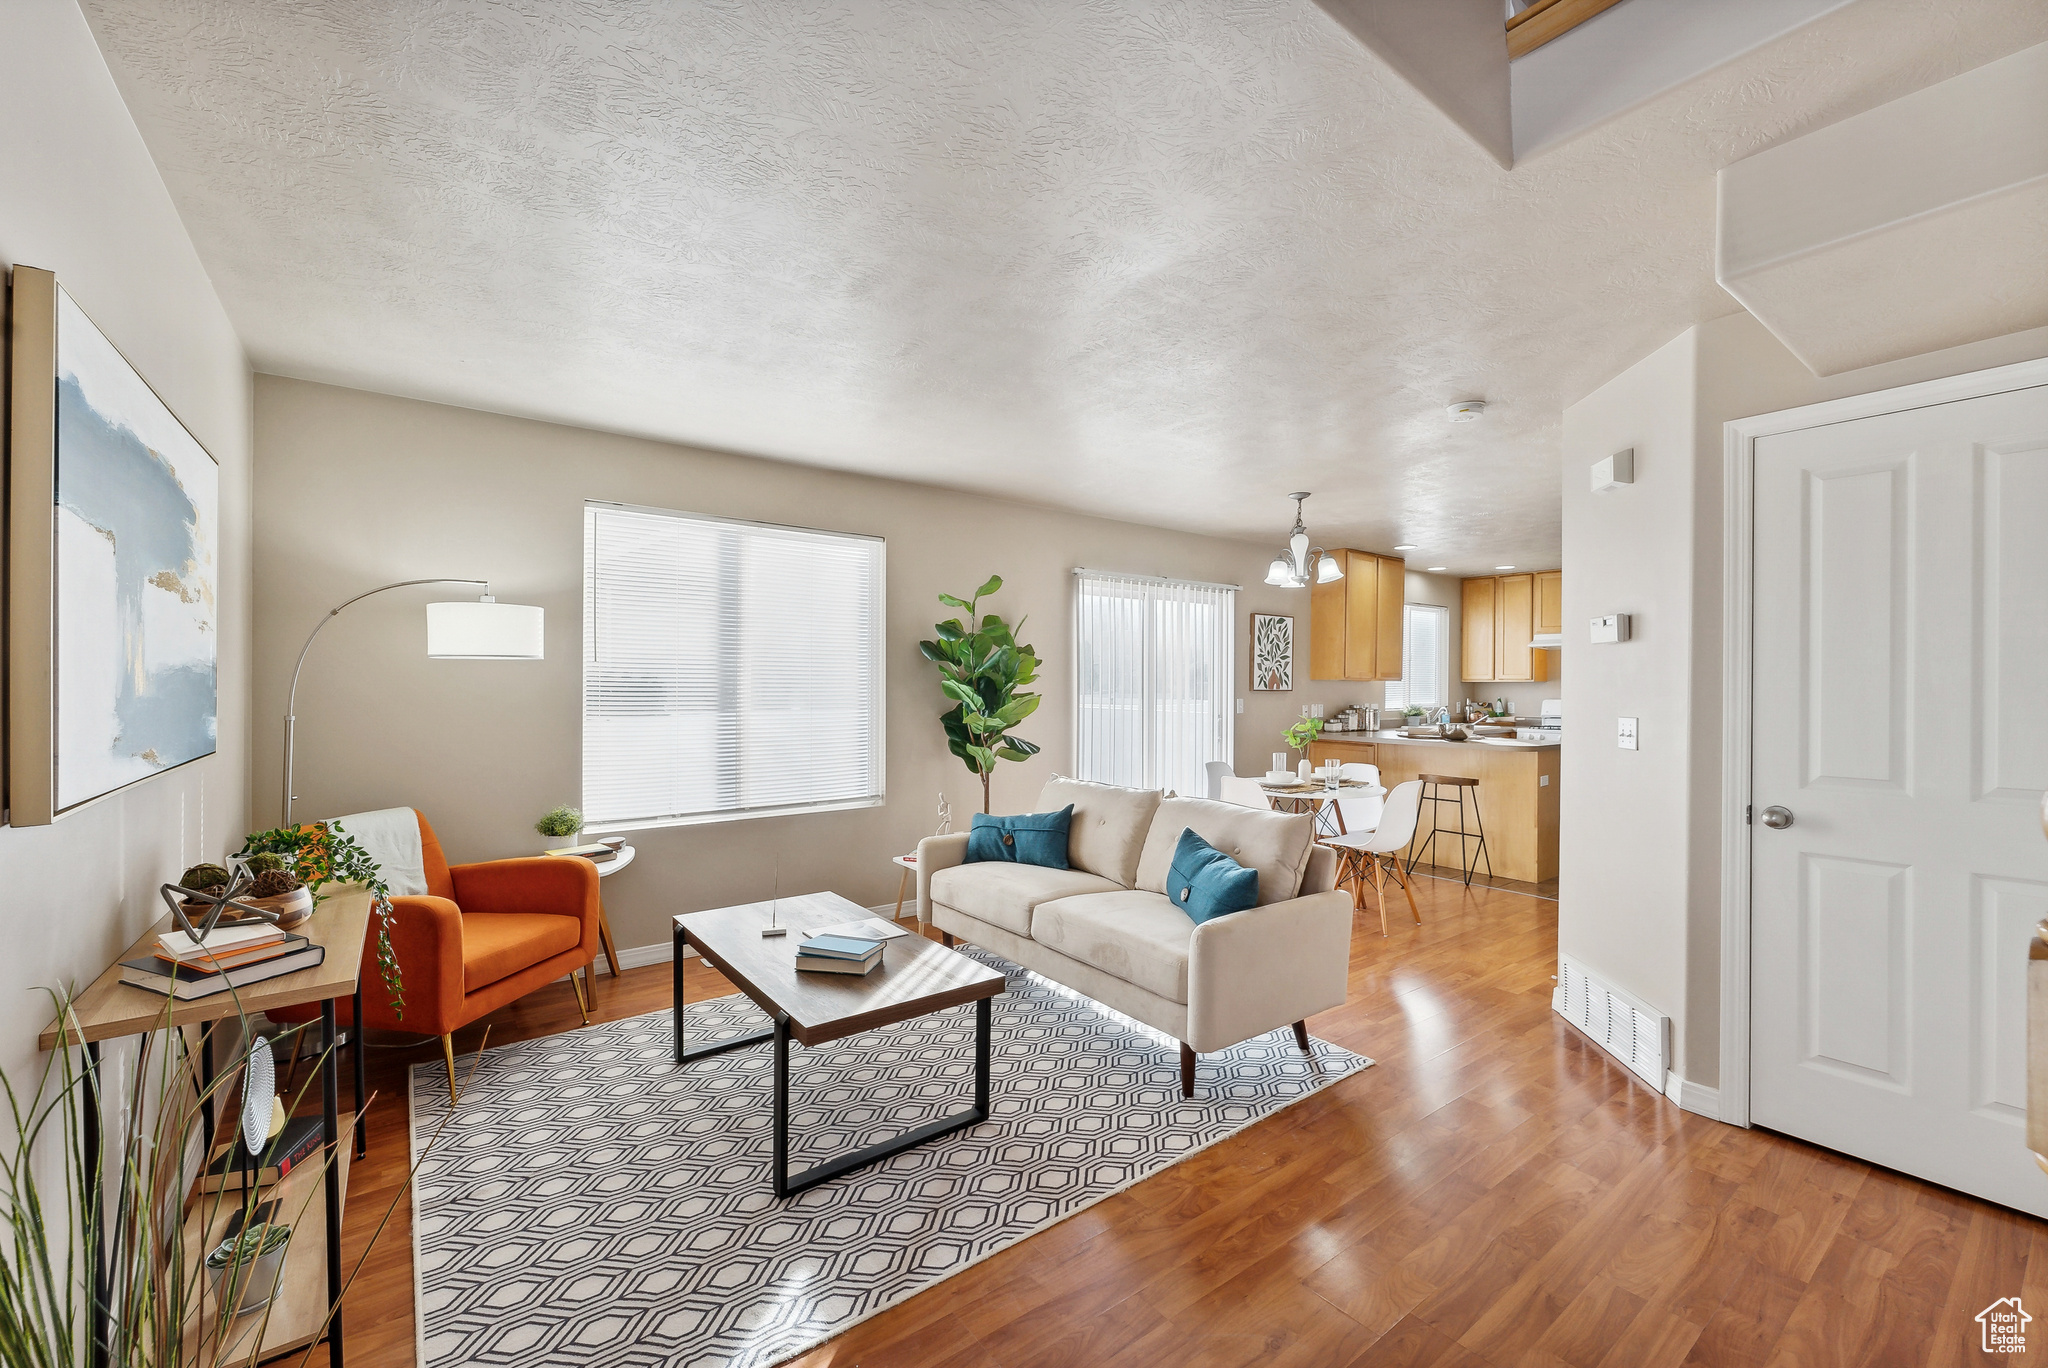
<point x="1153" y="680"/>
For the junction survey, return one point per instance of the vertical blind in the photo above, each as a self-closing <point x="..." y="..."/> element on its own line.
<point x="1153" y="680"/>
<point x="728" y="667"/>
<point x="1425" y="659"/>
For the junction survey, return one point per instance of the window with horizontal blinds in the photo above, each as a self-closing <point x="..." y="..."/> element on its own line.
<point x="728" y="667"/>
<point x="1153" y="680"/>
<point x="1425" y="659"/>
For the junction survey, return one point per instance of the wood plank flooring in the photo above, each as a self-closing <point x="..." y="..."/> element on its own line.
<point x="1497" y="1192"/>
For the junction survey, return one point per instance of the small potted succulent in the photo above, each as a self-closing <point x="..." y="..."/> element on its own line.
<point x="245" y="1267"/>
<point x="561" y="823"/>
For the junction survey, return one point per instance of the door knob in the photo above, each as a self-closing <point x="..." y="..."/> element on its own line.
<point x="1777" y="818"/>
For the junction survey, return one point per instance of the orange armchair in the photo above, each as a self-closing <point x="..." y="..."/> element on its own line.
<point x="481" y="936"/>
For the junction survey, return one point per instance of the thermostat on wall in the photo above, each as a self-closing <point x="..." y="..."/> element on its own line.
<point x="1613" y="627"/>
<point x="1616" y="471"/>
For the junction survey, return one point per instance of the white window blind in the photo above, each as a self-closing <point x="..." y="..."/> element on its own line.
<point x="728" y="667"/>
<point x="1425" y="659"/>
<point x="1153" y="680"/>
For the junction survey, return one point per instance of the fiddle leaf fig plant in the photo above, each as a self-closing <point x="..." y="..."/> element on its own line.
<point x="983" y="669"/>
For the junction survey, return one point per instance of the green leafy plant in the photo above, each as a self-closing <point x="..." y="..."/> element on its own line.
<point x="983" y="669"/>
<point x="321" y="853"/>
<point x="157" y="1302"/>
<point x="561" y="821"/>
<point x="1301" y="733"/>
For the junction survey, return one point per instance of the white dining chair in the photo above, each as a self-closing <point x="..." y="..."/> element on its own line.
<point x="1379" y="851"/>
<point x="1215" y="772"/>
<point x="1243" y="792"/>
<point x="1362" y="813"/>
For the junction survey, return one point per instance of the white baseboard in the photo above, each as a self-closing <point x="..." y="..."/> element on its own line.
<point x="1693" y="1097"/>
<point x="661" y="952"/>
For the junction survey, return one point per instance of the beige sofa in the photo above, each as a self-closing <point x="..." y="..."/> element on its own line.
<point x="1106" y="928"/>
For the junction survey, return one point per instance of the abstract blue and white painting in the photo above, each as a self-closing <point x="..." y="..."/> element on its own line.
<point x="137" y="532"/>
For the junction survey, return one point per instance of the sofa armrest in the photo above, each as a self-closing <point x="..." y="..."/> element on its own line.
<point x="933" y="854"/>
<point x="1258" y="970"/>
<point x="1321" y="874"/>
<point x="426" y="936"/>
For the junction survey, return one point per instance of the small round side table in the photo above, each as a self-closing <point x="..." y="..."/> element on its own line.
<point x="604" y="922"/>
<point x="908" y="864"/>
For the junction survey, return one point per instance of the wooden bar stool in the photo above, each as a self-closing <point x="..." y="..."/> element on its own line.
<point x="1433" y="786"/>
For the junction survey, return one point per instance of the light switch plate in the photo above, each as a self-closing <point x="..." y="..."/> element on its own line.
<point x="1240" y="707"/>
<point x="1542" y="781"/>
<point x="1625" y="733"/>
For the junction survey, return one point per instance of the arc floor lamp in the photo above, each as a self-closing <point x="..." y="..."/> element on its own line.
<point x="481" y="630"/>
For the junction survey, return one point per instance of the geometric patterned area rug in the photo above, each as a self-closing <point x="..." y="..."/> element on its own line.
<point x="591" y="1204"/>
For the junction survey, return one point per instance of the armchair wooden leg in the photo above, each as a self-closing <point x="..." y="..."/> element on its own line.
<point x="448" y="1054"/>
<point x="1301" y="1035"/>
<point x="1187" y="1070"/>
<point x="582" y="1002"/>
<point x="946" y="938"/>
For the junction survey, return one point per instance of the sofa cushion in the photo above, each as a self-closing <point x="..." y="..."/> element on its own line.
<point x="1204" y="883"/>
<point x="497" y="945"/>
<point x="1108" y="829"/>
<point x="1142" y="938"/>
<point x="1274" y="843"/>
<point x="1033" y="838"/>
<point x="1004" y="894"/>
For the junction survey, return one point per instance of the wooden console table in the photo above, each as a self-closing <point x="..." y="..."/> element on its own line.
<point x="111" y="1009"/>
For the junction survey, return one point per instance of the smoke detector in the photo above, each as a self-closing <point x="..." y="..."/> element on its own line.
<point x="1465" y="410"/>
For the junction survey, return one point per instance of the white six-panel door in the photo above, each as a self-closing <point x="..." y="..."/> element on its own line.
<point x="1901" y="719"/>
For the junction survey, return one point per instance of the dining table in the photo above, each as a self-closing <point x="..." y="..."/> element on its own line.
<point x="1314" y="795"/>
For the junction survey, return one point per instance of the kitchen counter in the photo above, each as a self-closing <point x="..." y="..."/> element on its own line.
<point x="1518" y="785"/>
<point x="1394" y="738"/>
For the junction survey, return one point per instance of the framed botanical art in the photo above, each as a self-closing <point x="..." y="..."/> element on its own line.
<point x="113" y="568"/>
<point x="1272" y="651"/>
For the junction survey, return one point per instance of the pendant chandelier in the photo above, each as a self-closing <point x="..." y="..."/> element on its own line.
<point x="1299" y="564"/>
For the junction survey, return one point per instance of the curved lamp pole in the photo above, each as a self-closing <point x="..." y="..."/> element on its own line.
<point x="517" y="652"/>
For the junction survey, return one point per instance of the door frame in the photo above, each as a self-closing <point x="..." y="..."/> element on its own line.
<point x="1738" y="683"/>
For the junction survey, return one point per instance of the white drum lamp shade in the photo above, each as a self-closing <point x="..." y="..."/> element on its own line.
<point x="485" y="630"/>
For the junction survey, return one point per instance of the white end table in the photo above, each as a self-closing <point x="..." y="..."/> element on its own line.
<point x="908" y="864"/>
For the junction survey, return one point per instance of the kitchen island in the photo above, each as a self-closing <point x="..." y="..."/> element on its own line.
<point x="1517" y="791"/>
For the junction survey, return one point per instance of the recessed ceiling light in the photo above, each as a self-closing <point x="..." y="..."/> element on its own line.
<point x="1438" y="569"/>
<point x="1503" y="567"/>
<point x="1405" y="546"/>
<point x="1465" y="410"/>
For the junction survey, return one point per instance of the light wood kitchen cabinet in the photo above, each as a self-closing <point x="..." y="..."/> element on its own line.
<point x="1499" y="620"/>
<point x="1550" y="603"/>
<point x="1477" y="619"/>
<point x="1355" y="623"/>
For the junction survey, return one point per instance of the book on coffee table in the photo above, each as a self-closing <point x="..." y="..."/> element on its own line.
<point x="824" y="964"/>
<point x="873" y="928"/>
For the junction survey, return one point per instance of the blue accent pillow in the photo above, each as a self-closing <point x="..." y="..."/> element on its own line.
<point x="1205" y="883"/>
<point x="1033" y="838"/>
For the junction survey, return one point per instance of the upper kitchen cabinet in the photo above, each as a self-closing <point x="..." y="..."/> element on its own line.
<point x="1550" y="603"/>
<point x="1501" y="614"/>
<point x="1355" y="623"/>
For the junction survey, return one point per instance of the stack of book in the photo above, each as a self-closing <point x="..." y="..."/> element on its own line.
<point x="839" y="955"/>
<point x="230" y="1168"/>
<point x="597" y="853"/>
<point x="229" y="957"/>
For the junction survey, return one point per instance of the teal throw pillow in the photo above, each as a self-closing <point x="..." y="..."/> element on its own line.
<point x="1205" y="883"/>
<point x="1033" y="838"/>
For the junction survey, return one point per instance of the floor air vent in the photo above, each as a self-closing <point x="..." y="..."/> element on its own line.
<point x="1618" y="1024"/>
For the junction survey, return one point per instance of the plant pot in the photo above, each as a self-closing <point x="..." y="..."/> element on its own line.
<point x="290" y="908"/>
<point x="245" y="1283"/>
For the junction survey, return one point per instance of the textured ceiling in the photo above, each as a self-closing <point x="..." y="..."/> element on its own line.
<point x="1161" y="261"/>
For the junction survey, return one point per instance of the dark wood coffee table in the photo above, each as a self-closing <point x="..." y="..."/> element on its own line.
<point x="917" y="977"/>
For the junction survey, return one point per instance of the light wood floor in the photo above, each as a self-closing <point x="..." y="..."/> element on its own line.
<point x="1496" y="1192"/>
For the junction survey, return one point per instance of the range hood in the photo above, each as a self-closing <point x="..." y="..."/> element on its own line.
<point x="1547" y="641"/>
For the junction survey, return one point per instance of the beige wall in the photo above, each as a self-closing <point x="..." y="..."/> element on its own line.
<point x="80" y="196"/>
<point x="356" y="489"/>
<point x="1640" y="849"/>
